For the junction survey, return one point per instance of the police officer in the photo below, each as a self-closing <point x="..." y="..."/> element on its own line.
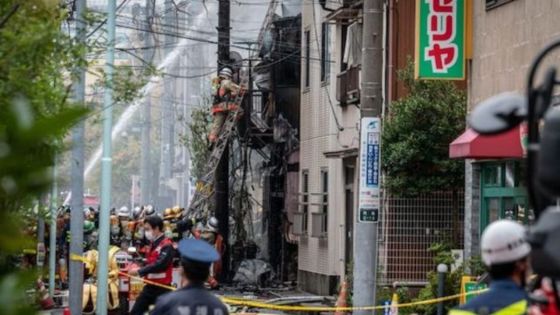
<point x="505" y="253"/>
<point x="159" y="266"/>
<point x="193" y="298"/>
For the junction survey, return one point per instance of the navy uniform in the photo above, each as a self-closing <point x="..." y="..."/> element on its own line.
<point x="504" y="297"/>
<point x="193" y="299"/>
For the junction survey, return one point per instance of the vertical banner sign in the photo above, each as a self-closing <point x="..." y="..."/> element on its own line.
<point x="440" y="39"/>
<point x="369" y="200"/>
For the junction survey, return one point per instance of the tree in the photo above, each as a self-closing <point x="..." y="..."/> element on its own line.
<point x="197" y="140"/>
<point x="416" y="135"/>
<point x="36" y="59"/>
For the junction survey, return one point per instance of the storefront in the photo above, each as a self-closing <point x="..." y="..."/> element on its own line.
<point x="498" y="171"/>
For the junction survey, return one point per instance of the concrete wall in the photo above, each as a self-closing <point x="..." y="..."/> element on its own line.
<point x="505" y="40"/>
<point x="323" y="258"/>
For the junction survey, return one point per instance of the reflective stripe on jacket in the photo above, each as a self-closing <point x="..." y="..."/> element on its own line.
<point x="505" y="297"/>
<point x="164" y="277"/>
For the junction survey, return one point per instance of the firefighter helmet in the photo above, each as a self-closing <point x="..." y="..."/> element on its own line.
<point x="124" y="212"/>
<point x="149" y="210"/>
<point x="226" y="72"/>
<point x="168" y="214"/>
<point x="88" y="226"/>
<point x="212" y="224"/>
<point x="136" y="213"/>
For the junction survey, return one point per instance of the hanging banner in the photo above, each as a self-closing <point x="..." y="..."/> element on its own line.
<point x="369" y="200"/>
<point x="440" y="39"/>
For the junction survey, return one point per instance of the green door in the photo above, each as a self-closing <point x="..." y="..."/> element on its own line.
<point x="503" y="194"/>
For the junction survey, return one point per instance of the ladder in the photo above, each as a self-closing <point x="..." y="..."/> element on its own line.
<point x="205" y="185"/>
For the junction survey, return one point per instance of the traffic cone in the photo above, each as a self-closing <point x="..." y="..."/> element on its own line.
<point x="342" y="298"/>
<point x="66" y="311"/>
<point x="45" y="300"/>
<point x="395" y="304"/>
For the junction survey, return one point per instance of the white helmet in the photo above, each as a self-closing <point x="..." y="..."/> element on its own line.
<point x="149" y="210"/>
<point x="503" y="242"/>
<point x="226" y="72"/>
<point x="212" y="224"/>
<point x="136" y="212"/>
<point x="124" y="212"/>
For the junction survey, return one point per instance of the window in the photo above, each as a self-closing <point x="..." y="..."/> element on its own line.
<point x="305" y="200"/>
<point x="491" y="4"/>
<point x="325" y="199"/>
<point x="307" y="56"/>
<point x="325" y="52"/>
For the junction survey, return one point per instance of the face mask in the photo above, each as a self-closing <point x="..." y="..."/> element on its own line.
<point x="149" y="235"/>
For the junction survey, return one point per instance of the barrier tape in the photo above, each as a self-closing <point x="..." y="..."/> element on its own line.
<point x="253" y="303"/>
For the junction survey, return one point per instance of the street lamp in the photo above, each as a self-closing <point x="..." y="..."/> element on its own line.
<point x="442" y="269"/>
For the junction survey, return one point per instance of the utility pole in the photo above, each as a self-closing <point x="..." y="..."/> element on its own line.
<point x="76" y="269"/>
<point x="52" y="231"/>
<point x="168" y="117"/>
<point x="106" y="160"/>
<point x="365" y="249"/>
<point x="221" y="185"/>
<point x="145" y="162"/>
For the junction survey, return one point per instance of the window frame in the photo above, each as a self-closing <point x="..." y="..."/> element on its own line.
<point x="324" y="208"/>
<point x="307" y="57"/>
<point x="325" y="51"/>
<point x="305" y="201"/>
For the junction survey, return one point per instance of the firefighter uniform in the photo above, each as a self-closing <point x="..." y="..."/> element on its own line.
<point x="159" y="269"/>
<point x="225" y="92"/>
<point x="194" y="298"/>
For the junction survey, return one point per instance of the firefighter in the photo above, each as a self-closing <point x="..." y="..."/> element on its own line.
<point x="505" y="253"/>
<point x="225" y="91"/>
<point x="196" y="257"/>
<point x="125" y="232"/>
<point x="211" y="235"/>
<point x="159" y="266"/>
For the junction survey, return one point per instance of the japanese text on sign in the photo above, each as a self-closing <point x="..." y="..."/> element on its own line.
<point x="369" y="200"/>
<point x="440" y="39"/>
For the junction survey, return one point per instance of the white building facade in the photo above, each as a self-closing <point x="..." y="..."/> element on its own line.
<point x="328" y="151"/>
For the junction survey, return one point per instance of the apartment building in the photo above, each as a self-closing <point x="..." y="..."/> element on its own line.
<point x="328" y="146"/>
<point x="506" y="36"/>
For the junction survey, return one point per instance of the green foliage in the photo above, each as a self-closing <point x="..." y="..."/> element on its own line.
<point x="35" y="56"/>
<point x="126" y="83"/>
<point x="36" y="62"/>
<point x="416" y="136"/>
<point x="443" y="255"/>
<point x="197" y="140"/>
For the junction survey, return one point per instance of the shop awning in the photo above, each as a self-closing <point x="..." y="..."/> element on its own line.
<point x="471" y="145"/>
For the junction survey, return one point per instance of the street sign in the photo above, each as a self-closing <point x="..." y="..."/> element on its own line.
<point x="368" y="199"/>
<point x="440" y="39"/>
<point x="369" y="215"/>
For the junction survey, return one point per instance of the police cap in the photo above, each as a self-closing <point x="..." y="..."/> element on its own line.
<point x="197" y="251"/>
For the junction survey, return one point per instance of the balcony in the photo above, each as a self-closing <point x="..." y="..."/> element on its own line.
<point x="348" y="86"/>
<point x="319" y="224"/>
<point x="348" y="10"/>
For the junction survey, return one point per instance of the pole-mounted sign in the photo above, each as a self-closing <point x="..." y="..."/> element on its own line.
<point x="440" y="39"/>
<point x="369" y="200"/>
